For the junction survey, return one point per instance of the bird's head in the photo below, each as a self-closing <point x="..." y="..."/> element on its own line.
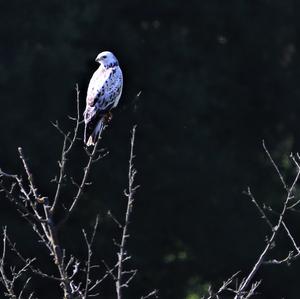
<point x="107" y="59"/>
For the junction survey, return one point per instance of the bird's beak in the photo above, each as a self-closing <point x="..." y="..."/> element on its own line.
<point x="97" y="59"/>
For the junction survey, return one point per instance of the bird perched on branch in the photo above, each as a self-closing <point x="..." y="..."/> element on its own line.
<point x="103" y="94"/>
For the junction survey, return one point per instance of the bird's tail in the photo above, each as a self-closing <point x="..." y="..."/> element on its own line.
<point x="91" y="133"/>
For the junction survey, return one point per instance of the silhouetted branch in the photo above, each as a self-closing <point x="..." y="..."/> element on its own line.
<point x="38" y="210"/>
<point x="224" y="287"/>
<point x="9" y="280"/>
<point x="151" y="294"/>
<point x="120" y="283"/>
<point x="247" y="287"/>
<point x="275" y="228"/>
<point x="65" y="151"/>
<point x="89" y="243"/>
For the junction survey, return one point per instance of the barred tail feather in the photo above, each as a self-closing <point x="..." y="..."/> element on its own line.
<point x="91" y="135"/>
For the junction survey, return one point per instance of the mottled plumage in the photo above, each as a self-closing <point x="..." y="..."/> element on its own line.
<point x="103" y="94"/>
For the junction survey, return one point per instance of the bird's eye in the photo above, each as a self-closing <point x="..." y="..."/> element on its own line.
<point x="104" y="56"/>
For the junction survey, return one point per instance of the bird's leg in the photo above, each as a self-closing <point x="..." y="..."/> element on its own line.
<point x="108" y="117"/>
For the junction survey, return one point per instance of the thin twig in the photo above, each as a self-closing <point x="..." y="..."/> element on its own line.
<point x="29" y="175"/>
<point x="6" y="282"/>
<point x="261" y="211"/>
<point x="224" y="287"/>
<point x="89" y="243"/>
<point x="65" y="151"/>
<point x="275" y="166"/>
<point x="79" y="193"/>
<point x="153" y="293"/>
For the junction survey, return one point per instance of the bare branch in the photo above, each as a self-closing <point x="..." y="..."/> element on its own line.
<point x="291" y="238"/>
<point x="275" y="166"/>
<point x="224" y="287"/>
<point x="29" y="175"/>
<point x="9" y="282"/>
<point x="154" y="293"/>
<point x="261" y="211"/>
<point x="114" y="219"/>
<point x="25" y="260"/>
<point x="130" y="199"/>
<point x="243" y="286"/>
<point x="39" y="212"/>
<point x="65" y="151"/>
<point x="79" y="193"/>
<point x="89" y="243"/>
<point x="5" y="281"/>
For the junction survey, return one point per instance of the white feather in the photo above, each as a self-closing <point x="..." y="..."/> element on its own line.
<point x="104" y="91"/>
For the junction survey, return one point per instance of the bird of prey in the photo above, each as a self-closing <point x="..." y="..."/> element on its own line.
<point x="103" y="94"/>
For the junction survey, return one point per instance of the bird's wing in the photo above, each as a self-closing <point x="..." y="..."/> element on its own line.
<point x="104" y="91"/>
<point x="97" y="85"/>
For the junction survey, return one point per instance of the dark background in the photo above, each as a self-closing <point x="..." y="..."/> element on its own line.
<point x="217" y="77"/>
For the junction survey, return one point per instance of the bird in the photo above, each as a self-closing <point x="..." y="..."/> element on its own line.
<point x="103" y="94"/>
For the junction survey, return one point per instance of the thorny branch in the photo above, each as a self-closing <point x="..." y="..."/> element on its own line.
<point x="39" y="211"/>
<point x="9" y="280"/>
<point x="224" y="287"/>
<point x="248" y="286"/>
<point x="66" y="150"/>
<point x="122" y="277"/>
<point x="154" y="294"/>
<point x="274" y="228"/>
<point x="89" y="243"/>
<point x="120" y="282"/>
